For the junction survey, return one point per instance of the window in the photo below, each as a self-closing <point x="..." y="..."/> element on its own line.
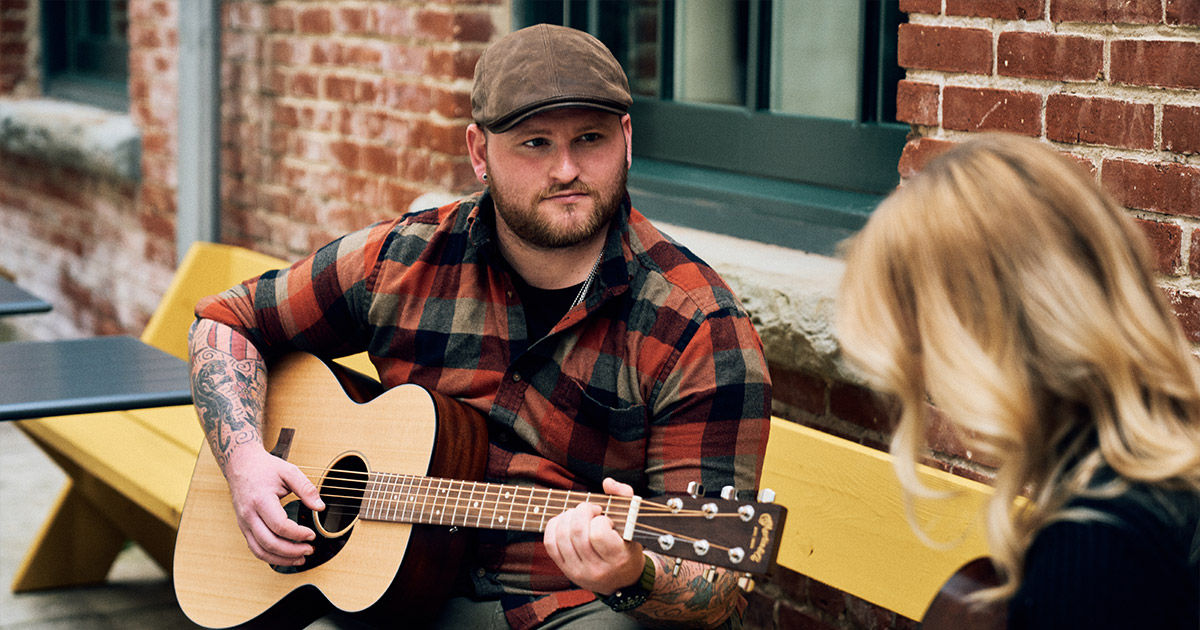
<point x="784" y="109"/>
<point x="86" y="51"/>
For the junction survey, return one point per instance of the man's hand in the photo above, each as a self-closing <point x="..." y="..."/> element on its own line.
<point x="257" y="481"/>
<point x="584" y="544"/>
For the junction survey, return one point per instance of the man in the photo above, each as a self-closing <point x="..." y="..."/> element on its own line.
<point x="605" y="357"/>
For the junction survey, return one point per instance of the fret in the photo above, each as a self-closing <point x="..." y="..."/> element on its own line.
<point x="457" y="503"/>
<point x="369" y="497"/>
<point x="476" y="504"/>
<point x="525" y="509"/>
<point x="440" y="502"/>
<point x="545" y="508"/>
<point x="393" y="494"/>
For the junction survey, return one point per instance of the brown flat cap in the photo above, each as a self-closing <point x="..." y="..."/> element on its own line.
<point x="545" y="67"/>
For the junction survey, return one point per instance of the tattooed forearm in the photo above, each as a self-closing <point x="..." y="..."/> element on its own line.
<point x="687" y="600"/>
<point x="228" y="387"/>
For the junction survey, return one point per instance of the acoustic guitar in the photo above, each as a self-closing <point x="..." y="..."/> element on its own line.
<point x="398" y="475"/>
<point x="953" y="607"/>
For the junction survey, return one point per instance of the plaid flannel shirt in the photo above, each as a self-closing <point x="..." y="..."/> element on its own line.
<point x="658" y="378"/>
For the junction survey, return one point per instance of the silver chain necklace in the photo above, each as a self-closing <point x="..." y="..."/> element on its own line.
<point x="587" y="283"/>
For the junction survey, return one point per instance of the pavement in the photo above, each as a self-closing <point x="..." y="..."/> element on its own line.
<point x="138" y="594"/>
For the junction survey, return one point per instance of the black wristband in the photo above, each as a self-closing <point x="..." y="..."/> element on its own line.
<point x="635" y="594"/>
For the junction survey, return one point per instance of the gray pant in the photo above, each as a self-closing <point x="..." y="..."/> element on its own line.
<point x="461" y="612"/>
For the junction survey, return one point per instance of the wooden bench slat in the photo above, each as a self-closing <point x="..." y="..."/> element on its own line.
<point x="846" y="523"/>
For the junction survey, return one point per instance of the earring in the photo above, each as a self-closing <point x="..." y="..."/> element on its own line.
<point x="484" y="176"/>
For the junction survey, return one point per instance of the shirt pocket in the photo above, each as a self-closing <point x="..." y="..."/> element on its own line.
<point x="620" y="421"/>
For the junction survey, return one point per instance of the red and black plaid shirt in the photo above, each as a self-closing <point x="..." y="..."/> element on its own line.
<point x="657" y="379"/>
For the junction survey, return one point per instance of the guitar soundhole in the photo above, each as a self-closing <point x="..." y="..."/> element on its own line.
<point x="342" y="490"/>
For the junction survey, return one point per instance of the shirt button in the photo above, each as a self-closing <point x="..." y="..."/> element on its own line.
<point x="508" y="293"/>
<point x="480" y="572"/>
<point x="516" y="377"/>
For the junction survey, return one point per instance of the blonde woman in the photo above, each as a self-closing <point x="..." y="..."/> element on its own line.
<point x="1003" y="287"/>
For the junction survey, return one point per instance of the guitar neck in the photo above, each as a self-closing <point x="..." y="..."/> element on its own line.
<point x="451" y="502"/>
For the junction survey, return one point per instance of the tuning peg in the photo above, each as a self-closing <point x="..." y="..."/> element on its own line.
<point x="666" y="541"/>
<point x="746" y="583"/>
<point x="766" y="495"/>
<point x="729" y="493"/>
<point x="736" y="554"/>
<point x="676" y="504"/>
<point x="710" y="510"/>
<point x="700" y="547"/>
<point x="695" y="489"/>
<point x="746" y="512"/>
<point x="675" y="569"/>
<point x="710" y="575"/>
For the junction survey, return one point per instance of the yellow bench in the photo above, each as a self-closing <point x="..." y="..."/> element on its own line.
<point x="846" y="524"/>
<point x="128" y="471"/>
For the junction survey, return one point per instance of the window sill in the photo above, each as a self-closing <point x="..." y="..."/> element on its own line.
<point x="94" y="140"/>
<point x="789" y="214"/>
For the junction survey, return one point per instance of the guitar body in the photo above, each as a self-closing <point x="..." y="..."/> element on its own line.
<point x="405" y="430"/>
<point x="952" y="608"/>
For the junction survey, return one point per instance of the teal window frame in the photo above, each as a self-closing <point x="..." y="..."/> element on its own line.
<point x="798" y="181"/>
<point x="83" y="58"/>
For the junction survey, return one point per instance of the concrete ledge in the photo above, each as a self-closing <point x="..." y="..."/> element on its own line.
<point x="81" y="137"/>
<point x="790" y="294"/>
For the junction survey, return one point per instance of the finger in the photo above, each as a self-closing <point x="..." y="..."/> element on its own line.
<point x="303" y="487"/>
<point x="614" y="487"/>
<point x="269" y="547"/>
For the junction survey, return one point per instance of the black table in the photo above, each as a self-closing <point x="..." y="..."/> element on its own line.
<point x="46" y="378"/>
<point x="17" y="301"/>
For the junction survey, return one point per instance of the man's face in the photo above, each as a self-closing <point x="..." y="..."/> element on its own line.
<point x="558" y="177"/>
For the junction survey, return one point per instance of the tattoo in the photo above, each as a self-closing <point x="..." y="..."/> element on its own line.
<point x="687" y="600"/>
<point x="228" y="387"/>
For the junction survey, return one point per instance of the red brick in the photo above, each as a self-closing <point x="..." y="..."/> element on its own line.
<point x="346" y="154"/>
<point x="452" y="104"/>
<point x="1187" y="309"/>
<point x="1194" y="257"/>
<point x="1086" y="120"/>
<point x="794" y="618"/>
<point x="1181" y="128"/>
<point x="917" y="103"/>
<point x="281" y="19"/>
<point x="1002" y="9"/>
<point x="1106" y="11"/>
<point x="802" y="390"/>
<point x="930" y="7"/>
<point x="949" y="49"/>
<point x="379" y="160"/>
<point x="393" y="21"/>
<point x="986" y="109"/>
<point x="350" y="20"/>
<point x="474" y="26"/>
<point x="315" y="21"/>
<point x="1165" y="240"/>
<point x="1183" y="12"/>
<point x="827" y="598"/>
<point x="1049" y="56"/>
<point x="1162" y="63"/>
<point x="303" y="85"/>
<point x="435" y="25"/>
<point x="340" y="88"/>
<point x="858" y="405"/>
<point x="918" y="151"/>
<point x="1168" y="188"/>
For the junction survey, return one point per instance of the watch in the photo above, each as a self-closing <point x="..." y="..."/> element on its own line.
<point x="636" y="594"/>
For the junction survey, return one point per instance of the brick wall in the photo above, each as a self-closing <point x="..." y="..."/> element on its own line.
<point x="18" y="61"/>
<point x="339" y="114"/>
<point x="1114" y="84"/>
<point x="99" y="246"/>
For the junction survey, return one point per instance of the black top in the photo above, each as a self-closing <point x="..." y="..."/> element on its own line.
<point x="1137" y="566"/>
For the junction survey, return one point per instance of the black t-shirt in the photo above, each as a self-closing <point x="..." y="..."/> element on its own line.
<point x="543" y="307"/>
<point x="1138" y="566"/>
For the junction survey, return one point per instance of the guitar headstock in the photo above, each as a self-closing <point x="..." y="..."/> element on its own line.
<point x="737" y="535"/>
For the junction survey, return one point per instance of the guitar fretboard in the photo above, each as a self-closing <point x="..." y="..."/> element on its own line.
<point x="436" y="501"/>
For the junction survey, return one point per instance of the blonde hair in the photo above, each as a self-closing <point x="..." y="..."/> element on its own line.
<point x="1002" y="286"/>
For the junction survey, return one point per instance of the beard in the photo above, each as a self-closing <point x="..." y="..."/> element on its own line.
<point x="531" y="226"/>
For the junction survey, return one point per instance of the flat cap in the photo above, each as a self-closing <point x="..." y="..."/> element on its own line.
<point x="545" y="67"/>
